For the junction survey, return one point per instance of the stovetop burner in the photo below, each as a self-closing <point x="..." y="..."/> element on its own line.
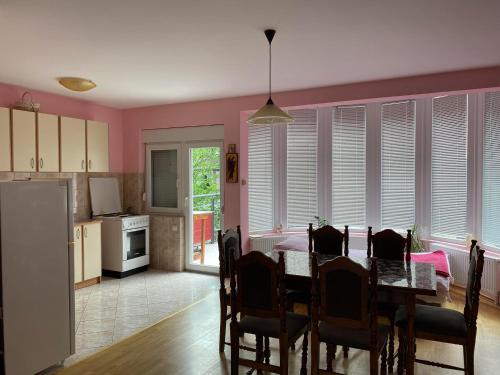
<point x="116" y="215"/>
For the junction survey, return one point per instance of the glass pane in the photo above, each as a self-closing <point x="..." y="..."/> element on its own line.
<point x="164" y="178"/>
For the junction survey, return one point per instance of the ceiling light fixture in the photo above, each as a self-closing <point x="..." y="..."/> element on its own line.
<point x="270" y="113"/>
<point x="76" y="84"/>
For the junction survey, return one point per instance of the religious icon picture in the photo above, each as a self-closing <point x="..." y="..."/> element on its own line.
<point x="231" y="167"/>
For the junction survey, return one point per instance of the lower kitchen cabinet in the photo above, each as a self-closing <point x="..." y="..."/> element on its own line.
<point x="87" y="257"/>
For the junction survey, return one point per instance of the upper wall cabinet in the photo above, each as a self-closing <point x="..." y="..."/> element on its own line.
<point x="48" y="143"/>
<point x="24" y="141"/>
<point x="4" y="139"/>
<point x="72" y="145"/>
<point x="97" y="147"/>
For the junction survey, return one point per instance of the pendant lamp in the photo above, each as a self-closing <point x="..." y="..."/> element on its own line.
<point x="270" y="113"/>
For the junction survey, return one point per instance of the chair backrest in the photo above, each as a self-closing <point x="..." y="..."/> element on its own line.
<point x="476" y="264"/>
<point x="259" y="282"/>
<point x="328" y="240"/>
<point x="388" y="244"/>
<point x="472" y="246"/>
<point x="229" y="242"/>
<point x="345" y="293"/>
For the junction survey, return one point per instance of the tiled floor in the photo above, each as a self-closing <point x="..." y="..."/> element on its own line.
<point x="115" y="309"/>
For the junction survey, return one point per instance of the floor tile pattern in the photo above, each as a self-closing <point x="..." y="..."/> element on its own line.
<point x="117" y="308"/>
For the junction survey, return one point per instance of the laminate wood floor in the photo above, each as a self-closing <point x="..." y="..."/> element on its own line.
<point x="187" y="343"/>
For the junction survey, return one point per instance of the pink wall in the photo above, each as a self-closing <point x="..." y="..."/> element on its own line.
<point x="62" y="105"/>
<point x="232" y="113"/>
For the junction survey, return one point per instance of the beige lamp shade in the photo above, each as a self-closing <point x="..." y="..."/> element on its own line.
<point x="270" y="114"/>
<point x="76" y="84"/>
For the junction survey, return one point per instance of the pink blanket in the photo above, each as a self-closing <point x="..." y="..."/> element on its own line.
<point x="438" y="258"/>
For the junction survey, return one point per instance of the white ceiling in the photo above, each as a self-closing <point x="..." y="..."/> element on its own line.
<point x="156" y="51"/>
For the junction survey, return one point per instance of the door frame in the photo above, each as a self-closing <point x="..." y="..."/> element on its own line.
<point x="188" y="222"/>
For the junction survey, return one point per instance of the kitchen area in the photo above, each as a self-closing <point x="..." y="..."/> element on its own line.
<point x="115" y="263"/>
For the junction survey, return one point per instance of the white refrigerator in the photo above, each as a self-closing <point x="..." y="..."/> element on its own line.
<point x="37" y="290"/>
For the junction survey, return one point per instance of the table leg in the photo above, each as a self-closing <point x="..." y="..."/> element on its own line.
<point x="202" y="260"/>
<point x="410" y="335"/>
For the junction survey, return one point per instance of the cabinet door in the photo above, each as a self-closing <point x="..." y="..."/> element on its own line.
<point x="48" y="143"/>
<point x="91" y="250"/>
<point x="4" y="139"/>
<point x="97" y="147"/>
<point x="77" y="235"/>
<point x="24" y="141"/>
<point x="72" y="145"/>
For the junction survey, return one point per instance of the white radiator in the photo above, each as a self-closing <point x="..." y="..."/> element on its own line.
<point x="265" y="243"/>
<point x="459" y="264"/>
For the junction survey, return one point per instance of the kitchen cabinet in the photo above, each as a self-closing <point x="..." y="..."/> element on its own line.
<point x="77" y="236"/>
<point x="4" y="139"/>
<point x="97" y="146"/>
<point x="48" y="143"/>
<point x="87" y="247"/>
<point x="72" y="145"/>
<point x="23" y="141"/>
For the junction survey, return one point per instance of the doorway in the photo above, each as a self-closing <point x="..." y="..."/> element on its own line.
<point x="204" y="206"/>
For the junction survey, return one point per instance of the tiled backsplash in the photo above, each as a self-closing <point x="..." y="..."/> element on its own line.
<point x="166" y="245"/>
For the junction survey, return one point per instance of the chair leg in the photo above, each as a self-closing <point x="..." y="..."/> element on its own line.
<point x="466" y="369"/>
<point x="259" y="351"/>
<point x="401" y="353"/>
<point x="390" y="361"/>
<point x="223" y="322"/>
<point x="346" y="351"/>
<point x="284" y="355"/>
<point x="383" y="365"/>
<point x="470" y="359"/>
<point x="235" y="348"/>
<point x="329" y="357"/>
<point x="303" y="370"/>
<point x="374" y="362"/>
<point x="267" y="351"/>
<point x="315" y="346"/>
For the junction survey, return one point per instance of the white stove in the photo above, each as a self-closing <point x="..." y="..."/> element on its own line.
<point x="125" y="237"/>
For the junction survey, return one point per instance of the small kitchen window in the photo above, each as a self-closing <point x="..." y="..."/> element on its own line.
<point x="163" y="168"/>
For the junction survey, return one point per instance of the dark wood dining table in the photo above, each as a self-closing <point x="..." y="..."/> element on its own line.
<point x="398" y="282"/>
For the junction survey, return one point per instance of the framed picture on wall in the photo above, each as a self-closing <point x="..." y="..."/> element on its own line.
<point x="231" y="167"/>
<point x="232" y="148"/>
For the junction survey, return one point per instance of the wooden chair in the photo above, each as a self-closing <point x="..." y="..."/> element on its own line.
<point x="388" y="244"/>
<point x="229" y="243"/>
<point x="328" y="240"/>
<point x="344" y="312"/>
<point x="446" y="325"/>
<point x="261" y="302"/>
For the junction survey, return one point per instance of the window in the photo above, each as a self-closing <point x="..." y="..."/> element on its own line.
<point x="348" y="167"/>
<point x="449" y="167"/>
<point x="301" y="170"/>
<point x="260" y="178"/>
<point x="398" y="165"/>
<point x="163" y="180"/>
<point x="491" y="170"/>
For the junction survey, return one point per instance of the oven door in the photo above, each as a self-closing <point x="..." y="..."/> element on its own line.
<point x="135" y="243"/>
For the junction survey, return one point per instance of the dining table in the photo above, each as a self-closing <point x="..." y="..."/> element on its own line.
<point x="399" y="282"/>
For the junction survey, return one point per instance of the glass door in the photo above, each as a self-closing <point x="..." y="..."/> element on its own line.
<point x="204" y="205"/>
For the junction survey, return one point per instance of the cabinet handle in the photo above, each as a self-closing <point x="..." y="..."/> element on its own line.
<point x="78" y="234"/>
<point x="41" y="163"/>
<point x="83" y="165"/>
<point x="85" y="232"/>
<point x="90" y="165"/>
<point x="32" y="163"/>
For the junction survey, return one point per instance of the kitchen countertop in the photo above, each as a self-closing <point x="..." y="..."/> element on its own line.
<point x="86" y="221"/>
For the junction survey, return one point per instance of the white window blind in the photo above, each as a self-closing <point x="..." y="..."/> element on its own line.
<point x="449" y="167"/>
<point x="491" y="170"/>
<point x="301" y="171"/>
<point x="398" y="165"/>
<point x="348" y="167"/>
<point x="260" y="177"/>
<point x="164" y="165"/>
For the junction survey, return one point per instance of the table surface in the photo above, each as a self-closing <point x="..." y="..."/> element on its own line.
<point x="409" y="277"/>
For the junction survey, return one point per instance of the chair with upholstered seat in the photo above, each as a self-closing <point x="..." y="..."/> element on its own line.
<point x="258" y="295"/>
<point x="344" y="312"/>
<point x="229" y="242"/>
<point x="388" y="244"/>
<point x="329" y="240"/>
<point x="446" y="325"/>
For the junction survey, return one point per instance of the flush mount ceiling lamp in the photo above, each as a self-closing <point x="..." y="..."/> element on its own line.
<point x="270" y="113"/>
<point x="76" y="84"/>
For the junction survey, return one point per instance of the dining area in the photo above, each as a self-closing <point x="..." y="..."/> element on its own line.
<point x="329" y="303"/>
